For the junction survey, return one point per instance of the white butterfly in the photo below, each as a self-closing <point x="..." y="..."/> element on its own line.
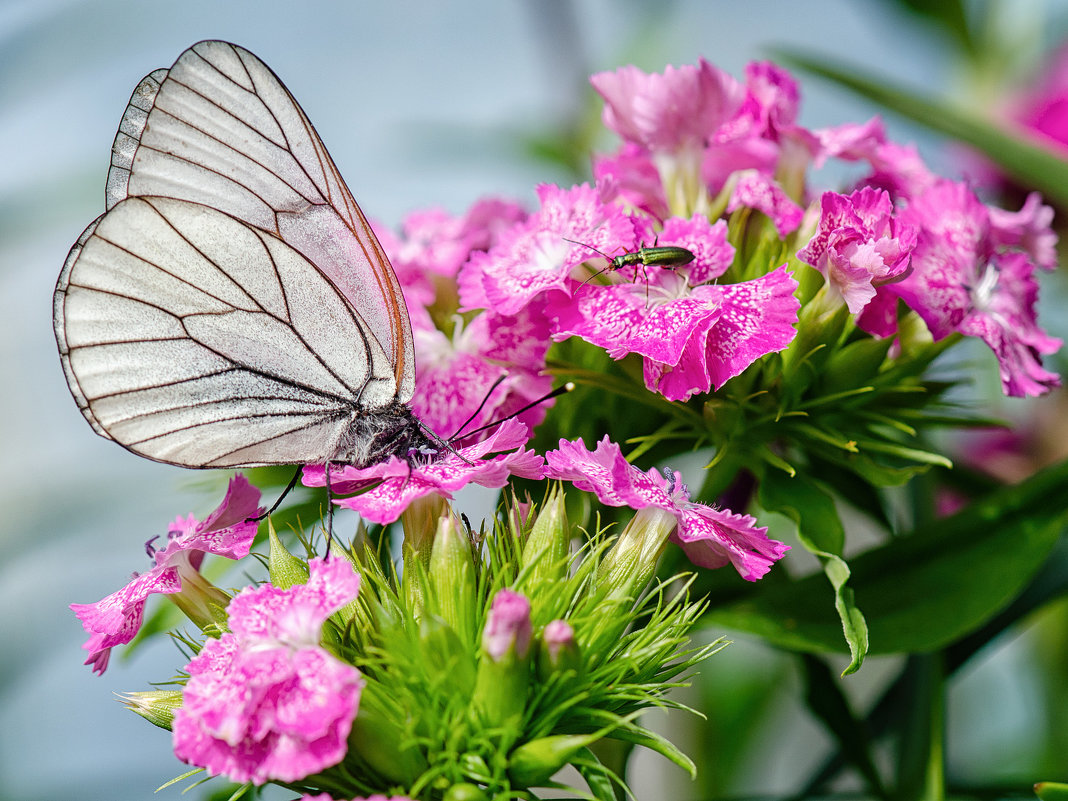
<point x="232" y="307"/>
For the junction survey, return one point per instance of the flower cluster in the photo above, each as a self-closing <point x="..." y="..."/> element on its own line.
<point x="705" y="299"/>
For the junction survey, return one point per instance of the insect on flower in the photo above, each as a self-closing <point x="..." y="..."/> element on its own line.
<point x="232" y="307"/>
<point x="659" y="256"/>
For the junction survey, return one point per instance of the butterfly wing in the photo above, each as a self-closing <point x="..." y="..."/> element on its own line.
<point x="220" y="129"/>
<point x="195" y="339"/>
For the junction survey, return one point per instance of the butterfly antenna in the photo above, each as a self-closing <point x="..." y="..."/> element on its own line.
<point x="289" y="488"/>
<point x="547" y="396"/>
<point x="481" y="406"/>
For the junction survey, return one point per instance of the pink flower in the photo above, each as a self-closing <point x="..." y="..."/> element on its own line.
<point x="963" y="280"/>
<point x="1044" y="110"/>
<point x="265" y="701"/>
<point x="455" y="374"/>
<point x="535" y="257"/>
<point x="710" y="537"/>
<point x="507" y="626"/>
<point x="692" y="337"/>
<point x="399" y="483"/>
<point x="674" y="111"/>
<point x="859" y="244"/>
<point x="434" y="245"/>
<point x="228" y="531"/>
<point x="756" y="190"/>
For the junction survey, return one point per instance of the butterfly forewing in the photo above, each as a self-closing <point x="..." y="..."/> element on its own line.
<point x="201" y="337"/>
<point x="218" y="128"/>
<point x="233" y="307"/>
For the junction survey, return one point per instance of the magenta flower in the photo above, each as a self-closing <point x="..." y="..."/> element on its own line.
<point x="265" y="701"/>
<point x="508" y="626"/>
<point x="228" y="531"/>
<point x="671" y="112"/>
<point x="756" y="190"/>
<point x="535" y="257"/>
<point x="962" y="280"/>
<point x="399" y="483"/>
<point x="859" y="245"/>
<point x="710" y="537"/>
<point x="455" y="375"/>
<point x="693" y="335"/>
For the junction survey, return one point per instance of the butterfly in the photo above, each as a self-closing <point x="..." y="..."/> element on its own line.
<point x="232" y="307"/>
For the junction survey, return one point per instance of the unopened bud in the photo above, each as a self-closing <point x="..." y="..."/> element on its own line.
<point x="558" y="651"/>
<point x="452" y="578"/>
<point x="155" y="706"/>
<point x="504" y="670"/>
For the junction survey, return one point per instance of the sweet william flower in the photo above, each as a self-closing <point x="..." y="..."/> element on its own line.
<point x="859" y="245"/>
<point x="535" y="257"/>
<point x="673" y="111"/>
<point x="228" y="531"/>
<point x="455" y="375"/>
<point x="710" y="537"/>
<point x="964" y="280"/>
<point x="692" y="334"/>
<point x="397" y="483"/>
<point x="265" y="701"/>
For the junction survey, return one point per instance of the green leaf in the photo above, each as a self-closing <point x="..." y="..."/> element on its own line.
<point x="1028" y="163"/>
<point x="925" y="590"/>
<point x="820" y="530"/>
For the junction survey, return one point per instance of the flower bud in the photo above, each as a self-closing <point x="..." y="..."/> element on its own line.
<point x="504" y="670"/>
<point x="631" y="562"/>
<point x="155" y="706"/>
<point x="558" y="652"/>
<point x="285" y="569"/>
<point x="420" y="522"/>
<point x="546" y="549"/>
<point x="452" y="578"/>
<point x="465" y="792"/>
<point x="534" y="763"/>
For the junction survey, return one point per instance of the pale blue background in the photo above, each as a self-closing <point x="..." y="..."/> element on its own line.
<point x="420" y="104"/>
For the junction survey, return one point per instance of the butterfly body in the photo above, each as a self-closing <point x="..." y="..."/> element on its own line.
<point x="232" y="307"/>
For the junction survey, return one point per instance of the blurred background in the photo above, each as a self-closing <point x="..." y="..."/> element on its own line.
<point x="420" y="104"/>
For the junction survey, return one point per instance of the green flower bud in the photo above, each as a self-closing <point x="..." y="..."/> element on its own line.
<point x="546" y="549"/>
<point x="464" y="792"/>
<point x="534" y="763"/>
<point x="1051" y="791"/>
<point x="631" y="562"/>
<point x="452" y="578"/>
<point x="420" y="522"/>
<point x="504" y="670"/>
<point x="285" y="569"/>
<point x="557" y="651"/>
<point x="155" y="706"/>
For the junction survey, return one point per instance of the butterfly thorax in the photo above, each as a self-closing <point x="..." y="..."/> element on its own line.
<point x="392" y="430"/>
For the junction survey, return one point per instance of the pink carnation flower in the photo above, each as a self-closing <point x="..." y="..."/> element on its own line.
<point x="963" y="281"/>
<point x="455" y="375"/>
<point x="400" y="483"/>
<point x="535" y="257"/>
<point x="227" y="531"/>
<point x="692" y="336"/>
<point x="675" y="111"/>
<point x="859" y="245"/>
<point x="265" y="701"/>
<point x="756" y="190"/>
<point x="710" y="537"/>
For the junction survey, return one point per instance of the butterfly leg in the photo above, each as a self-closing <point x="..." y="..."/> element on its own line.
<point x="289" y="488"/>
